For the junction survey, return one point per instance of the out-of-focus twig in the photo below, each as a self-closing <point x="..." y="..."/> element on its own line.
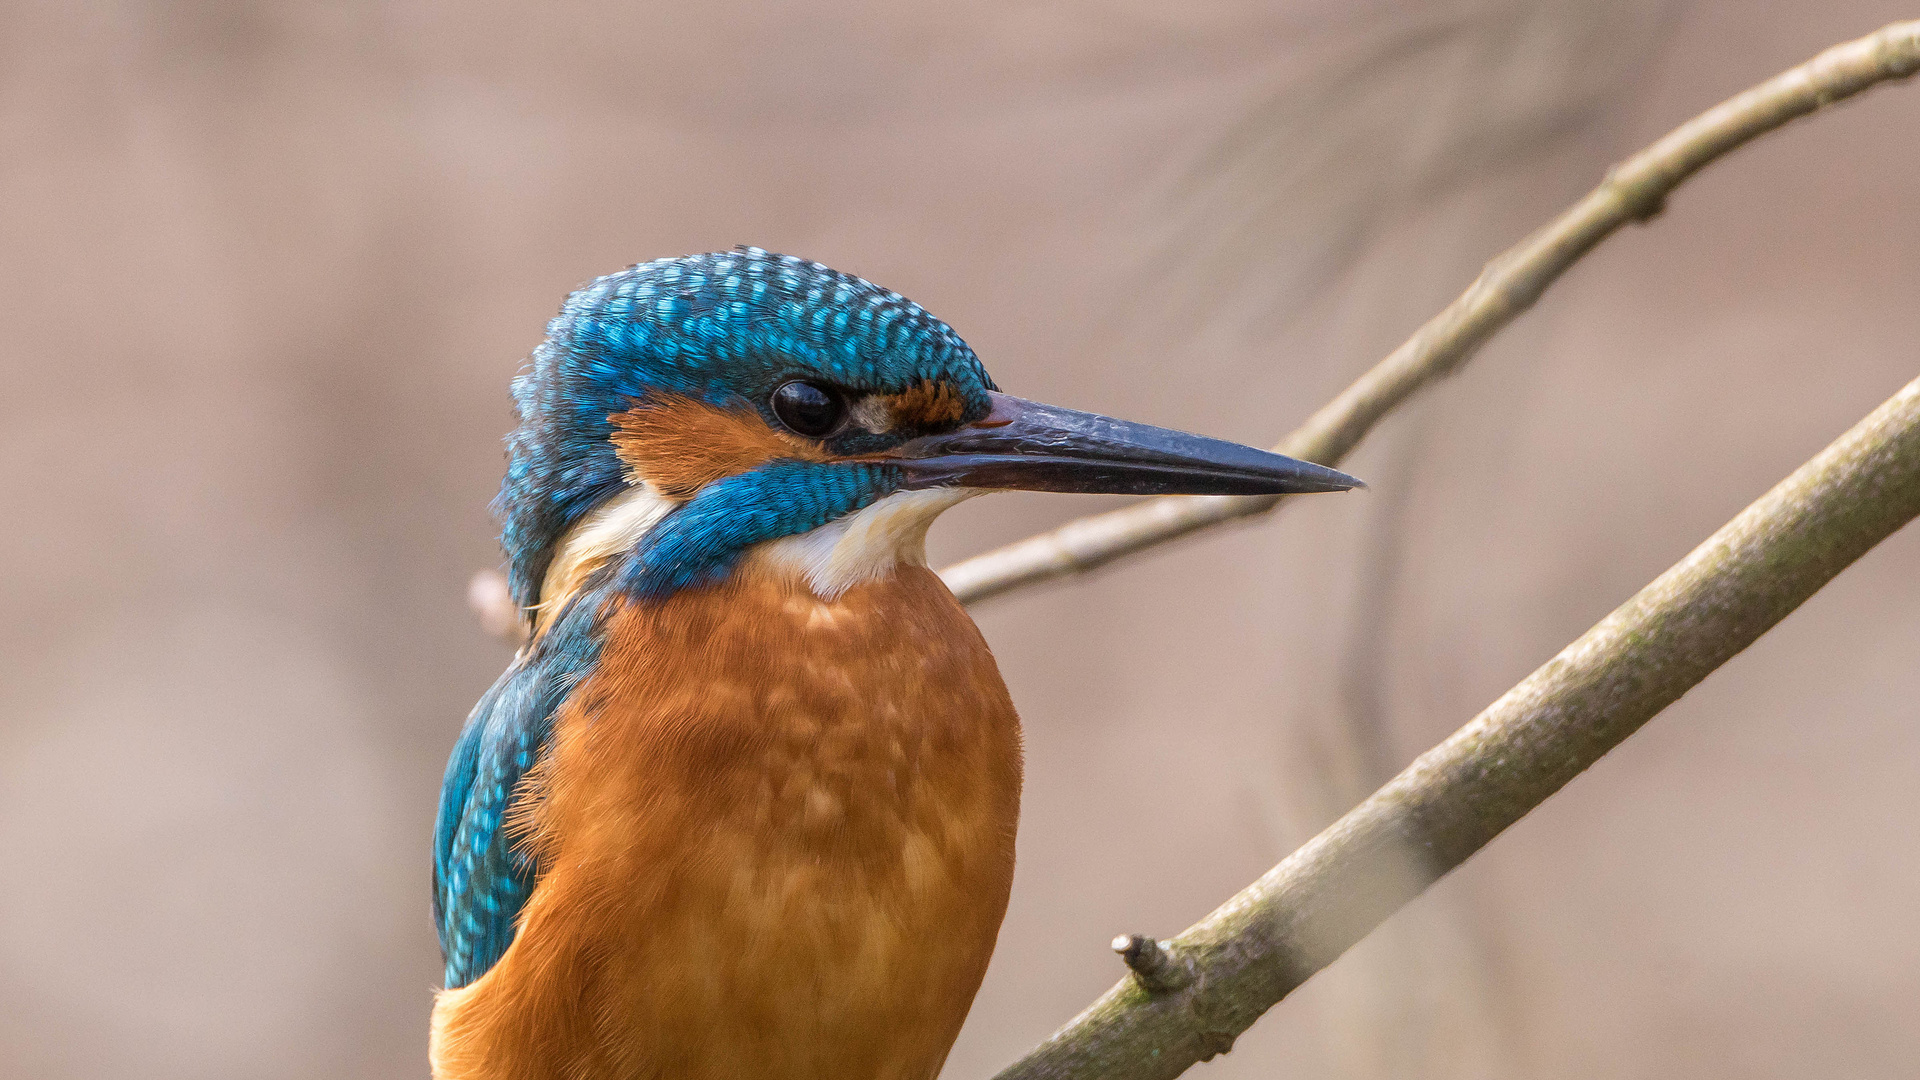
<point x="1359" y="756"/>
<point x="1632" y="191"/>
<point x="1381" y="111"/>
<point x="492" y="601"/>
<point x="1260" y="945"/>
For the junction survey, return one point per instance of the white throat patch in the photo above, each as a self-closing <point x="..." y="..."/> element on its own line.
<point x="863" y="545"/>
<point x="831" y="559"/>
<point x="613" y="527"/>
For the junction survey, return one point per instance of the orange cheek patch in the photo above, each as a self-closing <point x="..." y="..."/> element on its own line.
<point x="680" y="445"/>
<point x="927" y="404"/>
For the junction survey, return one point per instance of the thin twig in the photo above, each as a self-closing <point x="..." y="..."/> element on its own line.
<point x="1305" y="912"/>
<point x="1632" y="191"/>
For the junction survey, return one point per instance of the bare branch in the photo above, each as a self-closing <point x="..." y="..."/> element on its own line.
<point x="1632" y="191"/>
<point x="1300" y="916"/>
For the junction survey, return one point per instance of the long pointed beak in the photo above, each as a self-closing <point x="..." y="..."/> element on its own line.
<point x="1028" y="446"/>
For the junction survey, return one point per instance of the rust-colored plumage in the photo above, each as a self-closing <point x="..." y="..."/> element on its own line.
<point x="778" y="838"/>
<point x="928" y="405"/>
<point x="679" y="444"/>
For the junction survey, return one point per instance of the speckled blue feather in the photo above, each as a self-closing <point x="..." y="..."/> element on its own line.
<point x="481" y="878"/>
<point x="699" y="542"/>
<point x="727" y="327"/>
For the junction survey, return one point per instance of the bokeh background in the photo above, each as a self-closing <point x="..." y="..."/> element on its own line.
<point x="265" y="270"/>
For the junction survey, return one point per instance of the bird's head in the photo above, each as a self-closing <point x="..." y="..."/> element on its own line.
<point x="683" y="411"/>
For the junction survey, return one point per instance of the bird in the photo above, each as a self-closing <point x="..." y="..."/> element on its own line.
<point x="744" y="804"/>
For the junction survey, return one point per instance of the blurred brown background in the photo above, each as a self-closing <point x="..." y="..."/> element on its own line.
<point x="268" y="268"/>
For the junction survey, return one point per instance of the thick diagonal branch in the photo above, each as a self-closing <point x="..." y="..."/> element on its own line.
<point x="1260" y="945"/>
<point x="1632" y="191"/>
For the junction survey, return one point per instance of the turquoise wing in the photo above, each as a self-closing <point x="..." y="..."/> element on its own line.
<point x="481" y="877"/>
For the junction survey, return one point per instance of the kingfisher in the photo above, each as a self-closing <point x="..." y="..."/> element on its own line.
<point x="744" y="804"/>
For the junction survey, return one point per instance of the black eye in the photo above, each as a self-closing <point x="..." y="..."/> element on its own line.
<point x="808" y="408"/>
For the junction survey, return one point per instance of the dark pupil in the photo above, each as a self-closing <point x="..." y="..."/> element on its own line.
<point x="806" y="408"/>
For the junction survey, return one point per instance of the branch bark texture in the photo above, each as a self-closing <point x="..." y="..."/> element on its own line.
<point x="1301" y="915"/>
<point x="1634" y="190"/>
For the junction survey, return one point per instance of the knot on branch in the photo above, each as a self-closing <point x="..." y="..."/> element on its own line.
<point x="1214" y="1043"/>
<point x="1643" y="200"/>
<point x="1152" y="964"/>
<point x="1160" y="971"/>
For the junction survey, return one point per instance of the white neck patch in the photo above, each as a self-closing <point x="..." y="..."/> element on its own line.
<point x="831" y="559"/>
<point x="863" y="545"/>
<point x="613" y="527"/>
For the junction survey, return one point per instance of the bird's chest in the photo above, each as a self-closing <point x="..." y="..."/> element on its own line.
<point x="795" y="815"/>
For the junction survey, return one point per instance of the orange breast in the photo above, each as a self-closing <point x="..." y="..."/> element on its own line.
<point x="777" y="839"/>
